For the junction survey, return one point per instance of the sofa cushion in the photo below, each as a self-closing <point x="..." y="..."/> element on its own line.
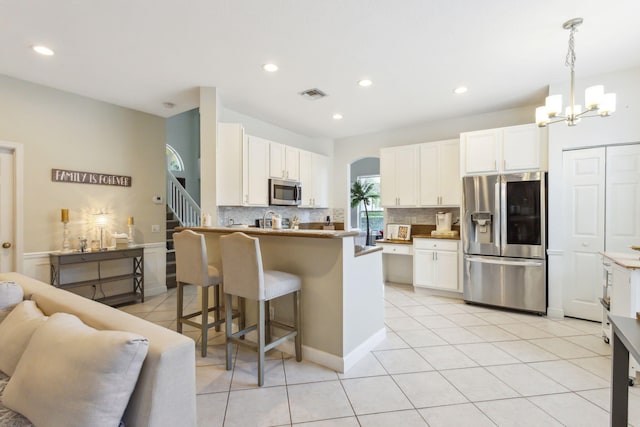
<point x="10" y="295"/>
<point x="16" y="331"/>
<point x="74" y="375"/>
<point x="7" y="416"/>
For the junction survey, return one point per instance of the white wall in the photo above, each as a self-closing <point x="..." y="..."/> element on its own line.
<point x="66" y="131"/>
<point x="183" y="134"/>
<point x="621" y="127"/>
<point x="257" y="127"/>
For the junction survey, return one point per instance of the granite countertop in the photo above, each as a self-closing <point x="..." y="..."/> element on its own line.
<point x="325" y="234"/>
<point x="623" y="259"/>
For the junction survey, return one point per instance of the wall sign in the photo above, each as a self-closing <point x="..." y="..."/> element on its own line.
<point x="78" y="177"/>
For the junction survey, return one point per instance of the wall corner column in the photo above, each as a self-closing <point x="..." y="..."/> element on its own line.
<point x="209" y="109"/>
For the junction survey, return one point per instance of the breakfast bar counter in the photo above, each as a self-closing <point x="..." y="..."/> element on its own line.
<point x="342" y="290"/>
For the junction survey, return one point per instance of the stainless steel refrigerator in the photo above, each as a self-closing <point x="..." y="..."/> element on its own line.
<point x="504" y="240"/>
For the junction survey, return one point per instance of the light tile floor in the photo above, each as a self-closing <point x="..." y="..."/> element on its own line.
<point x="443" y="363"/>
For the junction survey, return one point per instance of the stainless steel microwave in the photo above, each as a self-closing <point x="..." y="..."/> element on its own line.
<point x="284" y="192"/>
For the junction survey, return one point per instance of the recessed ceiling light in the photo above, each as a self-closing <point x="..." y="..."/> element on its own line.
<point x="337" y="116"/>
<point x="272" y="68"/>
<point x="42" y="50"/>
<point x="365" y="82"/>
<point x="460" y="89"/>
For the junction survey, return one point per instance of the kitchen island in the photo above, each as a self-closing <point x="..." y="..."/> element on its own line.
<point x="342" y="291"/>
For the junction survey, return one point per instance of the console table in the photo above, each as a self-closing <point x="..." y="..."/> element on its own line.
<point x="60" y="260"/>
<point x="626" y="341"/>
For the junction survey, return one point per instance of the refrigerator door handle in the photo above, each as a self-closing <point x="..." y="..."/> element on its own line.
<point x="503" y="214"/>
<point x="503" y="261"/>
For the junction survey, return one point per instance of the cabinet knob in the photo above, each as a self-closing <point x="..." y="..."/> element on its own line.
<point x="6" y="245"/>
<point x="585" y="244"/>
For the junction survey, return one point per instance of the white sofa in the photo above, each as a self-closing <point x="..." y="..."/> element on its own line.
<point x="165" y="394"/>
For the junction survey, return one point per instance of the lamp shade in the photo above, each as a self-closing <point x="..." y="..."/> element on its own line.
<point x="542" y="117"/>
<point x="593" y="96"/>
<point x="608" y="104"/>
<point x="553" y="104"/>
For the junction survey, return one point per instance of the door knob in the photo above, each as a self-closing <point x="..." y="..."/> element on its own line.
<point x="6" y="245"/>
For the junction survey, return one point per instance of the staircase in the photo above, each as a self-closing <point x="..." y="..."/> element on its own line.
<point x="172" y="223"/>
<point x="182" y="210"/>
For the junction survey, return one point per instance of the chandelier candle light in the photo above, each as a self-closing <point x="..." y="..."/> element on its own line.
<point x="64" y="218"/>
<point x="596" y="101"/>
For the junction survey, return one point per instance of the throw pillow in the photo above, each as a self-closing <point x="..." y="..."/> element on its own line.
<point x="10" y="294"/>
<point x="16" y="331"/>
<point x="74" y="375"/>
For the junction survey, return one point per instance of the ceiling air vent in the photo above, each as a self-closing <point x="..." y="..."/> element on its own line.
<point x="313" y="94"/>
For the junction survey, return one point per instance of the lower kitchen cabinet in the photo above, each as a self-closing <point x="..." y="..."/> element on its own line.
<point x="435" y="263"/>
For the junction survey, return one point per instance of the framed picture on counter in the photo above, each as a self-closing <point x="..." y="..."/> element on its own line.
<point x="398" y="232"/>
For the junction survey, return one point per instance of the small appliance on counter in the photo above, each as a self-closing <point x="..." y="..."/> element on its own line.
<point x="443" y="226"/>
<point x="285" y="223"/>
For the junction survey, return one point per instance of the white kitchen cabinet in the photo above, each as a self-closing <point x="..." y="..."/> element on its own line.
<point x="229" y="164"/>
<point x="399" y="176"/>
<point x="435" y="263"/>
<point x="314" y="176"/>
<point x="440" y="183"/>
<point x="241" y="167"/>
<point x="256" y="172"/>
<point x="284" y="161"/>
<point x="503" y="150"/>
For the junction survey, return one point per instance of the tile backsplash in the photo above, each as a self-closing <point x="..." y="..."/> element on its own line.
<point x="248" y="215"/>
<point x="425" y="216"/>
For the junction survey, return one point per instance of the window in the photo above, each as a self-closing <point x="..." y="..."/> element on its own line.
<point x="174" y="161"/>
<point x="376" y="219"/>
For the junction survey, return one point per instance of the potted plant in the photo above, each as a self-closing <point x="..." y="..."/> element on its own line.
<point x="365" y="193"/>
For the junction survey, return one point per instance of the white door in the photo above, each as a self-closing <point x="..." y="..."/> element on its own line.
<point x="406" y="176"/>
<point x="584" y="191"/>
<point x="277" y="160"/>
<point x="623" y="198"/>
<point x="450" y="182"/>
<point x="292" y="163"/>
<point x="521" y="148"/>
<point x="430" y="174"/>
<point x="480" y="153"/>
<point x="257" y="172"/>
<point x="320" y="168"/>
<point x="388" y="195"/>
<point x="423" y="267"/>
<point x="446" y="275"/>
<point x="7" y="206"/>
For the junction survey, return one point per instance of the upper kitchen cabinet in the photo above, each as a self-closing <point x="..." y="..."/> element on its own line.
<point x="510" y="149"/>
<point x="314" y="176"/>
<point x="284" y="161"/>
<point x="242" y="167"/>
<point x="229" y="164"/>
<point x="256" y="172"/>
<point x="440" y="183"/>
<point x="399" y="176"/>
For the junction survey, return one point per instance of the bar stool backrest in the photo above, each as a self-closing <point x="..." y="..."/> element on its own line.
<point x="191" y="258"/>
<point x="242" y="266"/>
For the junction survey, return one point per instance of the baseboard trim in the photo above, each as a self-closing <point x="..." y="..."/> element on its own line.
<point x="556" y="313"/>
<point x="331" y="361"/>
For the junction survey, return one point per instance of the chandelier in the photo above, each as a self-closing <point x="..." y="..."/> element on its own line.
<point x="596" y="101"/>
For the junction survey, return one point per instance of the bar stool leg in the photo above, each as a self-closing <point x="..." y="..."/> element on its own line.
<point x="261" y="327"/>
<point x="216" y="301"/>
<point x="267" y="329"/>
<point x="180" y="313"/>
<point x="205" y="320"/>
<point x="298" y="324"/>
<point x="227" y="326"/>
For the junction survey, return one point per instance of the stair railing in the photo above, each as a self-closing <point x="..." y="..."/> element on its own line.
<point x="182" y="204"/>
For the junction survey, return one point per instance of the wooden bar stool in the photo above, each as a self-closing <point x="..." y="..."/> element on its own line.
<point x="192" y="269"/>
<point x="245" y="278"/>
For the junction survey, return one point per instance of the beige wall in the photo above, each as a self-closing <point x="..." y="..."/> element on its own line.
<point x="65" y="131"/>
